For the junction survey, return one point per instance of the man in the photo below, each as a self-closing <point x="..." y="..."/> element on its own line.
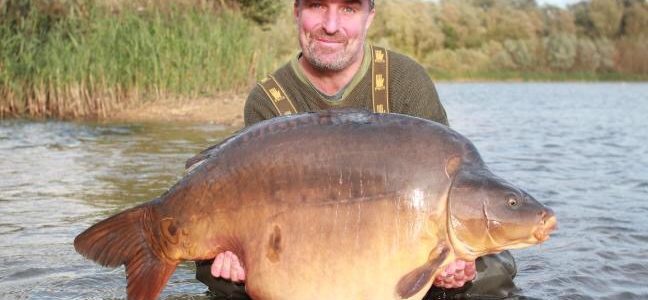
<point x="336" y="68"/>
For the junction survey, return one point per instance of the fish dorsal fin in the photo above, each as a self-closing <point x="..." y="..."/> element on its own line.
<point x="414" y="281"/>
<point x="199" y="158"/>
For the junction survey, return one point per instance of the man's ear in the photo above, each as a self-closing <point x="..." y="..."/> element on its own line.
<point x="296" y="10"/>
<point x="370" y="18"/>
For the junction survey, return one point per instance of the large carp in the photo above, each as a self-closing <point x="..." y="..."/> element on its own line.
<point x="331" y="205"/>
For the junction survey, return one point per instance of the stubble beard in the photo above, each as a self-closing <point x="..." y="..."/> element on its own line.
<point x="321" y="59"/>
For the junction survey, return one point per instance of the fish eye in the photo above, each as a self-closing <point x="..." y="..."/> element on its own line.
<point x="512" y="202"/>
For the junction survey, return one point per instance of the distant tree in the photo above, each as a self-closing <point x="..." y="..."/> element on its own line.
<point x="608" y="53"/>
<point x="635" y="19"/>
<point x="500" y="59"/>
<point x="451" y="40"/>
<point x="582" y="19"/>
<point x="557" y="20"/>
<point x="522" y="4"/>
<point x="632" y="55"/>
<point x="522" y="53"/>
<point x="588" y="58"/>
<point x="262" y="11"/>
<point x="507" y="23"/>
<point x="561" y="51"/>
<point x="462" y="24"/>
<point x="410" y="26"/>
<point x="606" y="16"/>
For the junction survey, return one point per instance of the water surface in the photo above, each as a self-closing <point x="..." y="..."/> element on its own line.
<point x="581" y="148"/>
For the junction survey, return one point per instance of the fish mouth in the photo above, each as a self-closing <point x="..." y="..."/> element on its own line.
<point x="548" y="226"/>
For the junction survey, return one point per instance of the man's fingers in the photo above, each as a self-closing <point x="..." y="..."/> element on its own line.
<point x="217" y="265"/>
<point x="460" y="264"/>
<point x="234" y="275"/>
<point x="241" y="274"/>
<point x="470" y="266"/>
<point x="470" y="271"/>
<point x="227" y="266"/>
<point x="456" y="274"/>
<point x="237" y="272"/>
<point x="451" y="268"/>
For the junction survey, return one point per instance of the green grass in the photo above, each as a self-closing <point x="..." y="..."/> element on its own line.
<point x="84" y="66"/>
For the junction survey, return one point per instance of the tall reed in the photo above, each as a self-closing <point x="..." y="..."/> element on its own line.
<point x="93" y="60"/>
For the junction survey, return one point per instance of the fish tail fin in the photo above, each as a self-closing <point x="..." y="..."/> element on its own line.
<point x="123" y="240"/>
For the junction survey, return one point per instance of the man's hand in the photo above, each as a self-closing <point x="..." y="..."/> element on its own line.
<point x="456" y="274"/>
<point x="228" y="266"/>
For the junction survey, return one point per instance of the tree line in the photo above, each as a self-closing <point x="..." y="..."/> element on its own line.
<point x="463" y="36"/>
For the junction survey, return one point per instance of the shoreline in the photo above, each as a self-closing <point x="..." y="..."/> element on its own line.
<point x="223" y="109"/>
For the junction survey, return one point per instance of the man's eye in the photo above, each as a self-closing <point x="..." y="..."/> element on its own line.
<point x="348" y="10"/>
<point x="315" y="5"/>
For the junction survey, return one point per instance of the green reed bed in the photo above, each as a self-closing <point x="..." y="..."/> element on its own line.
<point x="88" y="62"/>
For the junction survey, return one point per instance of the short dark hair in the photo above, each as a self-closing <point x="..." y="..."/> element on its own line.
<point x="371" y="4"/>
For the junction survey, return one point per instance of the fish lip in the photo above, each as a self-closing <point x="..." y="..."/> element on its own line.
<point x="548" y="226"/>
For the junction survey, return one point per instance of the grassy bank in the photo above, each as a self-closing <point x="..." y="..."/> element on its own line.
<point x="89" y="60"/>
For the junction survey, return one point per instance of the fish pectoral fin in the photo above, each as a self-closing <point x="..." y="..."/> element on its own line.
<point x="414" y="281"/>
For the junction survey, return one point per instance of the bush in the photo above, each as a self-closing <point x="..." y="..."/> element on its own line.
<point x="408" y="26"/>
<point x="262" y="11"/>
<point x="608" y="53"/>
<point x="633" y="58"/>
<point x="560" y="51"/>
<point x="522" y="52"/>
<point x="500" y="59"/>
<point x="588" y="58"/>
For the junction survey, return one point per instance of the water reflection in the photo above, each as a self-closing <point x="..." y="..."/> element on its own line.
<point x="58" y="178"/>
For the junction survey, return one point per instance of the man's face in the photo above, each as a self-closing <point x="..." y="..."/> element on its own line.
<point x="332" y="33"/>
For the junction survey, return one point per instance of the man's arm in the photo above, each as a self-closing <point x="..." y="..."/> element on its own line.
<point x="426" y="103"/>
<point x="412" y="91"/>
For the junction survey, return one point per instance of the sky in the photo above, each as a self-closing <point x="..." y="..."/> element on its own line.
<point x="561" y="3"/>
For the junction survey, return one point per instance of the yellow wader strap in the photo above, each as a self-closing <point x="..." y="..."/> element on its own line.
<point x="379" y="86"/>
<point x="278" y="96"/>
<point x="379" y="80"/>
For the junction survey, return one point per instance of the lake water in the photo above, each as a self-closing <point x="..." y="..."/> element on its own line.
<point x="580" y="148"/>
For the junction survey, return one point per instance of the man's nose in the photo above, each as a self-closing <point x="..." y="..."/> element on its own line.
<point x="331" y="21"/>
